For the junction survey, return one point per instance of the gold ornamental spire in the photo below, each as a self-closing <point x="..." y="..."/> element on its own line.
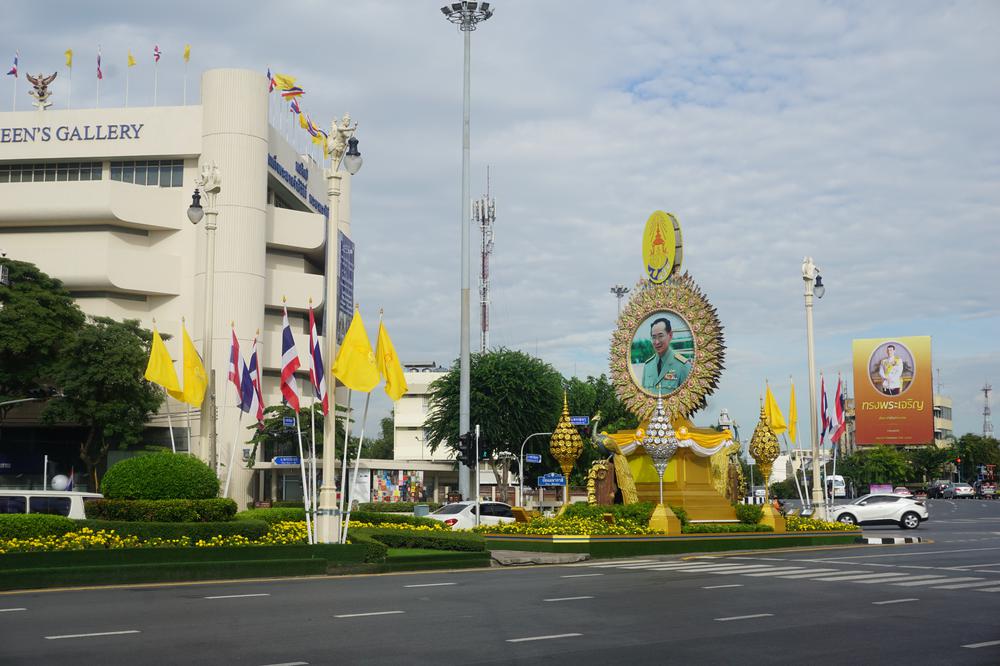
<point x="566" y="445"/>
<point x="764" y="448"/>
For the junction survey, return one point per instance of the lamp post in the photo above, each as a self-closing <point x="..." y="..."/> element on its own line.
<point x="520" y="495"/>
<point x="813" y="285"/>
<point x="210" y="184"/>
<point x="327" y="518"/>
<point x="619" y="290"/>
<point x="466" y="15"/>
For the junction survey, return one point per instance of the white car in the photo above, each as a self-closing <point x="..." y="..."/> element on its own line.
<point x="462" y="515"/>
<point x="69" y="503"/>
<point x="882" y="508"/>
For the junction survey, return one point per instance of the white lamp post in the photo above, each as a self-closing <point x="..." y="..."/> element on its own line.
<point x="210" y="183"/>
<point x="466" y="15"/>
<point x="619" y="290"/>
<point x="520" y="495"/>
<point x="327" y="517"/>
<point x="813" y="285"/>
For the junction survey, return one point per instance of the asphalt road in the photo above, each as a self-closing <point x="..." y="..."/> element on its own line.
<point x="929" y="602"/>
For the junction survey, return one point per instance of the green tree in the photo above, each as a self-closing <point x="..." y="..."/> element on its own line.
<point x="38" y="319"/>
<point x="878" y="464"/>
<point x="595" y="397"/>
<point x="281" y="440"/>
<point x="976" y="450"/>
<point x="928" y="462"/>
<point x="512" y="396"/>
<point x="100" y="372"/>
<point x="381" y="447"/>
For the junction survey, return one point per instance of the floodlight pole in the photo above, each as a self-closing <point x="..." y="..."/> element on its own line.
<point x="810" y="272"/>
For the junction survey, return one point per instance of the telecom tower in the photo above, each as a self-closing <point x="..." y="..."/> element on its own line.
<point x="987" y="423"/>
<point x="484" y="211"/>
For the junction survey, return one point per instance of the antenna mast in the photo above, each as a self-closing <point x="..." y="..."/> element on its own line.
<point x="987" y="422"/>
<point x="484" y="211"/>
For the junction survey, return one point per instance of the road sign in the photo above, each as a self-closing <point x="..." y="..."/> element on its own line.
<point x="288" y="421"/>
<point x="286" y="460"/>
<point x="579" y="420"/>
<point x="551" y="479"/>
<point x="533" y="458"/>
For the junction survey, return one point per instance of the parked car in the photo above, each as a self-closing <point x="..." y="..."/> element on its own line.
<point x="935" y="488"/>
<point x="902" y="491"/>
<point x="985" y="489"/>
<point x="462" y="515"/>
<point x="69" y="503"/>
<point x="958" y="490"/>
<point x="882" y="508"/>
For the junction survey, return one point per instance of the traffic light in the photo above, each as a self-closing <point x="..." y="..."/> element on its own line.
<point x="958" y="461"/>
<point x="466" y="451"/>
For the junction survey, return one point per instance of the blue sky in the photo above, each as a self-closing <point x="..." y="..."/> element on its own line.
<point x="866" y="135"/>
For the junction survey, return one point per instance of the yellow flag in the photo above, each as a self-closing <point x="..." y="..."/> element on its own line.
<point x="187" y="52"/>
<point x="195" y="377"/>
<point x="772" y="413"/>
<point x="355" y="366"/>
<point x="131" y="59"/>
<point x="389" y="366"/>
<point x="69" y="57"/>
<point x="302" y="121"/>
<point x="160" y="369"/>
<point x="793" y="415"/>
<point x="284" y="82"/>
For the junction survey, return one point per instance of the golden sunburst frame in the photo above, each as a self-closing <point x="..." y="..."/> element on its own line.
<point x="681" y="297"/>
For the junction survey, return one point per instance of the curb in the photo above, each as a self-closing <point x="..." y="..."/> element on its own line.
<point x="888" y="540"/>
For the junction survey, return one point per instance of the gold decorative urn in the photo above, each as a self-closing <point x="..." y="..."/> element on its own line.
<point x="566" y="445"/>
<point x="764" y="448"/>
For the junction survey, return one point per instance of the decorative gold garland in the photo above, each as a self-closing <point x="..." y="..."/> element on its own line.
<point x="681" y="295"/>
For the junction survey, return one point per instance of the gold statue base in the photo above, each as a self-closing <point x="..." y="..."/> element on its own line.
<point x="688" y="485"/>
<point x="664" y="520"/>
<point x="773" y="518"/>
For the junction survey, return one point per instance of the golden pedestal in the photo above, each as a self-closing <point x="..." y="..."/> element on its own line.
<point x="664" y="520"/>
<point x="773" y="518"/>
<point x="687" y="484"/>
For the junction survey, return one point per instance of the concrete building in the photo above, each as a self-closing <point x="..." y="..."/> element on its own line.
<point x="98" y="199"/>
<point x="944" y="433"/>
<point x="410" y="412"/>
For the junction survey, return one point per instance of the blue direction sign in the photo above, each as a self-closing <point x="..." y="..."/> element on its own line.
<point x="579" y="420"/>
<point x="551" y="479"/>
<point x="533" y="458"/>
<point x="288" y="421"/>
<point x="286" y="460"/>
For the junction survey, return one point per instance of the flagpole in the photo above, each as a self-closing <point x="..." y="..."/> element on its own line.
<point x="305" y="488"/>
<point x="156" y="76"/>
<point x="69" y="94"/>
<point x="126" y="85"/>
<point x="312" y="453"/>
<point x="170" y="425"/>
<point x="99" y="76"/>
<point x="343" y="464"/>
<point x="189" y="429"/>
<point x="13" y="97"/>
<point x="232" y="453"/>
<point x="357" y="464"/>
<point x="185" y="82"/>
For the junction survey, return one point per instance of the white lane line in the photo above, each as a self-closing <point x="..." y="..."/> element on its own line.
<point x="859" y="577"/>
<point x="812" y="574"/>
<point x="580" y="575"/>
<point x="719" y="567"/>
<point x="605" y="563"/>
<point x="743" y="617"/>
<point x="719" y="587"/>
<point x="541" y="638"/>
<point x="631" y="567"/>
<point x="917" y="554"/>
<point x="962" y="586"/>
<point x="990" y="589"/>
<point x="100" y="633"/>
<point x="938" y="579"/>
<point x="238" y="596"/>
<point x="973" y="566"/>
<point x="567" y="598"/>
<point x="431" y="585"/>
<point x="734" y="568"/>
<point x="290" y="663"/>
<point x="776" y="572"/>
<point x="893" y="601"/>
<point x="929" y="581"/>
<point x="11" y="610"/>
<point x="979" y="645"/>
<point x="369" y="614"/>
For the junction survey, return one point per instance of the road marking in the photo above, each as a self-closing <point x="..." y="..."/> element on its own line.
<point x="291" y="663"/>
<point x="714" y="568"/>
<point x="743" y="617"/>
<point x="101" y="633"/>
<point x="776" y="572"/>
<point x="580" y="575"/>
<point x="369" y="614"/>
<point x="812" y="574"/>
<point x="973" y="566"/>
<point x="430" y="585"/>
<point x="990" y="589"/>
<point x="11" y="610"/>
<point x="855" y="577"/>
<point x="910" y="578"/>
<point x="603" y="563"/>
<point x="541" y="638"/>
<point x="238" y="596"/>
<point x="892" y="601"/>
<point x="719" y="587"/>
<point x="979" y="645"/>
<point x="929" y="580"/>
<point x="926" y="552"/>
<point x="567" y="598"/>
<point x="961" y="586"/>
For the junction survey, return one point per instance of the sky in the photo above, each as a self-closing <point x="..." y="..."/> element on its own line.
<point x="865" y="135"/>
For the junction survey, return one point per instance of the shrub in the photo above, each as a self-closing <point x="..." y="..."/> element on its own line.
<point x="636" y="513"/>
<point x="407" y="539"/>
<point x="377" y="518"/>
<point x="30" y="525"/>
<point x="800" y="524"/>
<point x="375" y="551"/>
<point x="564" y="525"/>
<point x="722" y="528"/>
<point x="158" y="476"/>
<point x="681" y="514"/>
<point x="272" y="516"/>
<point x="251" y="529"/>
<point x="751" y="514"/>
<point x="395" y="507"/>
<point x="163" y="511"/>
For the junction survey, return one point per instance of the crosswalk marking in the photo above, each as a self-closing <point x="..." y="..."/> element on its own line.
<point x="857" y="577"/>
<point x="962" y="586"/>
<point x="778" y="572"/>
<point x="928" y="580"/>
<point x="912" y="578"/>
<point x="716" y="568"/>
<point x="604" y="563"/>
<point x="990" y="589"/>
<point x="812" y="574"/>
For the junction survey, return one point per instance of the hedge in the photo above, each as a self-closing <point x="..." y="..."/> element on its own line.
<point x="376" y="518"/>
<point x="375" y="551"/>
<point x="720" y="528"/>
<point x="750" y="514"/>
<point x="431" y="540"/>
<point x="251" y="529"/>
<point x="271" y="516"/>
<point x="638" y="513"/>
<point x="28" y="525"/>
<point x="162" y="475"/>
<point x="395" y="507"/>
<point x="163" y="511"/>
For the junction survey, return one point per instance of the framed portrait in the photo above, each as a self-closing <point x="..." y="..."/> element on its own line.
<point x="891" y="368"/>
<point x="662" y="353"/>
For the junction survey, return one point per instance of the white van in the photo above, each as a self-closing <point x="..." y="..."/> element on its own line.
<point x="67" y="503"/>
<point x="835" y="486"/>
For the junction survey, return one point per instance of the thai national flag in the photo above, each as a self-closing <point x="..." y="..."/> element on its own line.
<point x="69" y="486"/>
<point x="316" y="372"/>
<point x="13" y="70"/>
<point x="156" y="53"/>
<point x="235" y="360"/>
<point x="824" y="411"/>
<point x="100" y="74"/>
<point x="270" y="81"/>
<point x="248" y="392"/>
<point x="289" y="364"/>
<point x="255" y="380"/>
<point x="841" y="424"/>
<point x="294" y="91"/>
<point x="294" y="106"/>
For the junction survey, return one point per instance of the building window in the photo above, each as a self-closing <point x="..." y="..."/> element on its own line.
<point x="158" y="173"/>
<point x="42" y="172"/>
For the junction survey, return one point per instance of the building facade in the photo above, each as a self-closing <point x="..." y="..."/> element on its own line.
<point x="98" y="198"/>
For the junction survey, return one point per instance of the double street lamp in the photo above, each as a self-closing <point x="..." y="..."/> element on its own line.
<point x="813" y="286"/>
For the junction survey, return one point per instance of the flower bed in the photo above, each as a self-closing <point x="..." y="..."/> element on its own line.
<point x="800" y="524"/>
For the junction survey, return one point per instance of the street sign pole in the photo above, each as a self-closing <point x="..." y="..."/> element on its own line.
<point x="476" y="469"/>
<point x="520" y="497"/>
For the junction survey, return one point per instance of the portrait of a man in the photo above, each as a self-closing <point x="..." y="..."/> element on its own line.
<point x="891" y="368"/>
<point x="662" y="361"/>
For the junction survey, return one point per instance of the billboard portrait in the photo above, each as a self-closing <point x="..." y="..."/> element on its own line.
<point x="662" y="353"/>
<point x="893" y="390"/>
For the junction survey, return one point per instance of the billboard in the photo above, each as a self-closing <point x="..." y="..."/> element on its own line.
<point x="893" y="391"/>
